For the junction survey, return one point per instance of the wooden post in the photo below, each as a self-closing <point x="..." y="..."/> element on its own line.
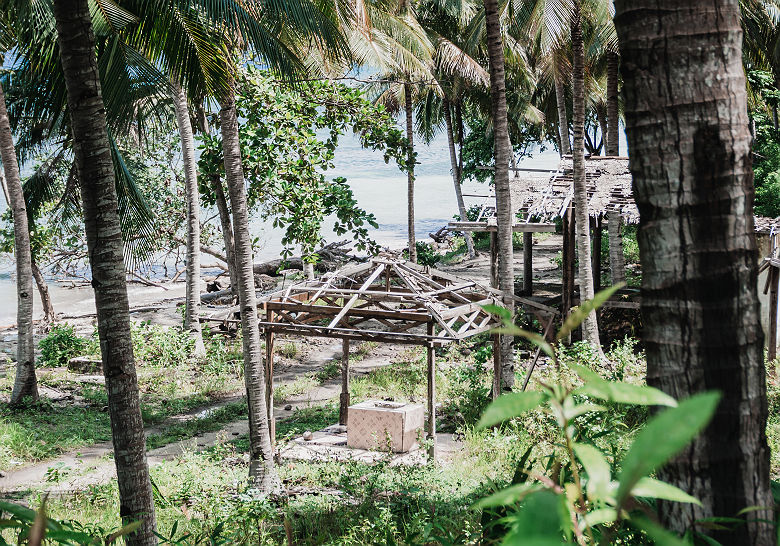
<point x="567" y="288"/>
<point x="528" y="263"/>
<point x="774" y="277"/>
<point x="344" y="398"/>
<point x="494" y="259"/>
<point x="431" y="397"/>
<point x="598" y="229"/>
<point x="496" y="391"/>
<point x="269" y="378"/>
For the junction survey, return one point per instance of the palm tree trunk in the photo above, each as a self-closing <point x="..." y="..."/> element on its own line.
<point x="43" y="291"/>
<point x="687" y="126"/>
<point x="601" y="117"/>
<point x="227" y="231"/>
<point x="456" y="177"/>
<point x="192" y="195"/>
<point x="222" y="208"/>
<point x="261" y="462"/>
<point x="104" y="243"/>
<point x="25" y="384"/>
<point x="410" y="175"/>
<point x="590" y="327"/>
<point x="563" y="119"/>
<point x="613" y="114"/>
<point x="501" y="152"/>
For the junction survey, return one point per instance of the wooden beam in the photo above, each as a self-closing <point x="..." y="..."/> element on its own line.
<point x="528" y="263"/>
<point x="494" y="259"/>
<point x="354" y="298"/>
<point x="431" y="398"/>
<point x="774" y="275"/>
<point x="326" y="310"/>
<point x="344" y="397"/>
<point x="489" y="227"/>
<point x="496" y="390"/>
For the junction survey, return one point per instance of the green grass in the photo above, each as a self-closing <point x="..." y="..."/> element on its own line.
<point x="213" y="421"/>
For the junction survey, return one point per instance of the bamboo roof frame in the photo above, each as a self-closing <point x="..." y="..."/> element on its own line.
<point x="383" y="300"/>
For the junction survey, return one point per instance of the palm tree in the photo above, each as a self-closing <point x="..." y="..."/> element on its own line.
<point x="104" y="239"/>
<point x="687" y="127"/>
<point x="192" y="194"/>
<point x="590" y="327"/>
<point x="25" y="383"/>
<point x="408" y="107"/>
<point x="501" y="154"/>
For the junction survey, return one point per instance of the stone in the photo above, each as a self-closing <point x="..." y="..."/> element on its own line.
<point x="385" y="426"/>
<point x="288" y="407"/>
<point x="85" y="365"/>
<point x="308" y="435"/>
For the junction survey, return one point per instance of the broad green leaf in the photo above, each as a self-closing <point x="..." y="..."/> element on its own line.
<point x="659" y="535"/>
<point x="537" y="522"/>
<point x="21" y="512"/>
<point x="579" y="314"/>
<point x="600" y="516"/>
<point x="510" y="405"/>
<point x="618" y="391"/>
<point x="664" y="436"/>
<point x="597" y="469"/>
<point x="650" y="487"/>
<point x="508" y="495"/>
<point x="502" y="312"/>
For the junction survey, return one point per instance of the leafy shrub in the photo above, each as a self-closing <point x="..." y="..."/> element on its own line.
<point x="161" y="346"/>
<point x="60" y="345"/>
<point x="426" y="254"/>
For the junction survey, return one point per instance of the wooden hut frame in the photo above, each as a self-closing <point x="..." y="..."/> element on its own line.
<point x="384" y="300"/>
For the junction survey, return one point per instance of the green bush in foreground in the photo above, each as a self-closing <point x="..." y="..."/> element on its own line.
<point x="60" y="345"/>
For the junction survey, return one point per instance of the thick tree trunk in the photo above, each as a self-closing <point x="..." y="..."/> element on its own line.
<point x="192" y="195"/>
<point x="104" y="242"/>
<point x="412" y="244"/>
<point x="501" y="152"/>
<point x="590" y="327"/>
<point x="25" y="384"/>
<point x="43" y="291"/>
<point x="456" y="176"/>
<point x="617" y="260"/>
<point x="563" y="119"/>
<point x="601" y="117"/>
<point x="687" y="126"/>
<point x="613" y="109"/>
<point x="261" y="462"/>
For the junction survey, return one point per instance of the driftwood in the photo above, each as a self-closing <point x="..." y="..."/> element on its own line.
<point x="331" y="256"/>
<point x="441" y="235"/>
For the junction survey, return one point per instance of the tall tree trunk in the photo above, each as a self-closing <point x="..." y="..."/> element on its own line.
<point x="412" y="244"/>
<point x="456" y="177"/>
<point x="227" y="231"/>
<point x="104" y="243"/>
<point x="222" y="208"/>
<point x="687" y="126"/>
<point x="617" y="260"/>
<point x="43" y="291"/>
<point x="563" y="119"/>
<point x="192" y="195"/>
<point x="501" y="152"/>
<point x="590" y="327"/>
<point x="601" y="117"/>
<point x="261" y="462"/>
<point x="613" y="110"/>
<point x="25" y="384"/>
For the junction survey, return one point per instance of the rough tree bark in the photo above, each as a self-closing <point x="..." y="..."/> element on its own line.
<point x="456" y="177"/>
<point x="563" y="119"/>
<point x="617" y="260"/>
<point x="43" y="291"/>
<point x="104" y="243"/>
<point x="590" y="327"/>
<point x="25" y="384"/>
<point x="613" y="109"/>
<point x="261" y="462"/>
<point x="412" y="244"/>
<point x="687" y="126"/>
<point x="192" y="195"/>
<point x="501" y="152"/>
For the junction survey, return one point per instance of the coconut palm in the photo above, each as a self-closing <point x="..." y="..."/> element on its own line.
<point x="687" y="128"/>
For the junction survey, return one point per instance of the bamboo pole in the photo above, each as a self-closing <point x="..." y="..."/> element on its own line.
<point x="431" y="397"/>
